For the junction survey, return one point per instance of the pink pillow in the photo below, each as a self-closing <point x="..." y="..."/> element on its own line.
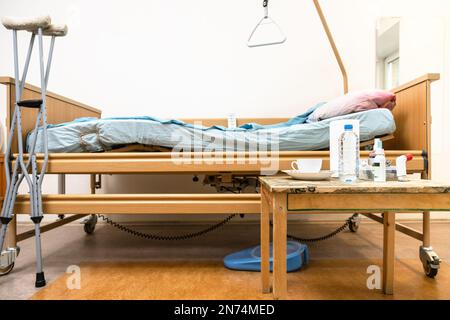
<point x="354" y="102"/>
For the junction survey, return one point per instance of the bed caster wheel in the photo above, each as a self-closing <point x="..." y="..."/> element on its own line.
<point x="430" y="271"/>
<point x="430" y="261"/>
<point x="89" y="224"/>
<point x="354" y="223"/>
<point x="7" y="259"/>
<point x="7" y="270"/>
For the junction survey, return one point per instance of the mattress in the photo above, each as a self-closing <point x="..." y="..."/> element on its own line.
<point x="99" y="135"/>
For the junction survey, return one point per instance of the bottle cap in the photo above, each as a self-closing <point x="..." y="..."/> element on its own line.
<point x="348" y="127"/>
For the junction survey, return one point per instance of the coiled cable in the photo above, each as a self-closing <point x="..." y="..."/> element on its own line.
<point x="325" y="237"/>
<point x="150" y="236"/>
<point x="214" y="227"/>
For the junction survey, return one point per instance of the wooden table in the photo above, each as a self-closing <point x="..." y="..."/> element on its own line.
<point x="283" y="195"/>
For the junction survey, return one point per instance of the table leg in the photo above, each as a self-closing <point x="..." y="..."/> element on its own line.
<point x="11" y="234"/>
<point x="388" y="252"/>
<point x="265" y="241"/>
<point x="279" y="246"/>
<point x="426" y="229"/>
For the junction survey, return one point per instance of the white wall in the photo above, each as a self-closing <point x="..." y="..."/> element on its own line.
<point x="177" y="58"/>
<point x="430" y="54"/>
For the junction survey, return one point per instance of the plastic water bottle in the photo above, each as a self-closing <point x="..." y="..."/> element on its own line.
<point x="348" y="155"/>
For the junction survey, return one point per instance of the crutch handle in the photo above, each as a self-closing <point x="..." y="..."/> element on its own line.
<point x="36" y="104"/>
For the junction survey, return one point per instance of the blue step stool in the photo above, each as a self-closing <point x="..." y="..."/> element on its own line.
<point x="250" y="259"/>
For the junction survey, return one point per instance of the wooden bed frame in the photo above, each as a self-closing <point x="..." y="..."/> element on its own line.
<point x="413" y="135"/>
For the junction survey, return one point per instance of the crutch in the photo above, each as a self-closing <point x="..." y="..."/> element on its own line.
<point x="18" y="170"/>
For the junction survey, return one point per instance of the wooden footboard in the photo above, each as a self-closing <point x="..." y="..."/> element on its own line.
<point x="59" y="108"/>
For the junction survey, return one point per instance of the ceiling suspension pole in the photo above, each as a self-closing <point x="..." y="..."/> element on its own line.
<point x="333" y="45"/>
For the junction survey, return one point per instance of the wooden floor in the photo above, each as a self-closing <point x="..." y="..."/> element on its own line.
<point x="117" y="265"/>
<point x="323" y="279"/>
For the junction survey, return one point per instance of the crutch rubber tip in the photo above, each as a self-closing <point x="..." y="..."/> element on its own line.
<point x="40" y="280"/>
<point x="5" y="220"/>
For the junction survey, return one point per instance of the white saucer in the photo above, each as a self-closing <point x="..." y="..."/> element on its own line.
<point x="319" y="176"/>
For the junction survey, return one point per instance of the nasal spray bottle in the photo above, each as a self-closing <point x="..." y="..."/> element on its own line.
<point x="379" y="162"/>
<point x="402" y="174"/>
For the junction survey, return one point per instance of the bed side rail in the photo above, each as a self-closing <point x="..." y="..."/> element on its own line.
<point x="235" y="163"/>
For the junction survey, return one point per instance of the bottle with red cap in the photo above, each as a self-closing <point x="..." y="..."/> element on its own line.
<point x="402" y="173"/>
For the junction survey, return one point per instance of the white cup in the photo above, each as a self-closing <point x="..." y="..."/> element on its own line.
<point x="307" y="165"/>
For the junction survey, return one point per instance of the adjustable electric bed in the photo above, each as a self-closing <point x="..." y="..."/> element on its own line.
<point x="412" y="135"/>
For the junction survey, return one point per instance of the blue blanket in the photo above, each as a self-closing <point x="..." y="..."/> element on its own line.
<point x="97" y="135"/>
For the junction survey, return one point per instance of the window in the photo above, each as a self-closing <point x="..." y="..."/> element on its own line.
<point x="392" y="71"/>
<point x="387" y="51"/>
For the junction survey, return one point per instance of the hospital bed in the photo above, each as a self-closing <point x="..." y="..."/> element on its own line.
<point x="413" y="135"/>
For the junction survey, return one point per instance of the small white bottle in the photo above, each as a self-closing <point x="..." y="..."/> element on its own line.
<point x="379" y="163"/>
<point x="377" y="145"/>
<point x="402" y="174"/>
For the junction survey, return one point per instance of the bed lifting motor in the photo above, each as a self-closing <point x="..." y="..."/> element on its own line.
<point x="229" y="183"/>
<point x="27" y="169"/>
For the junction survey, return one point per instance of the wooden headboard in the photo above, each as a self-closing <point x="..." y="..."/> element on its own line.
<point x="413" y="115"/>
<point x="59" y="108"/>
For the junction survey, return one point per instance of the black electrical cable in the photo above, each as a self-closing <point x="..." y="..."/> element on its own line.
<point x="325" y="237"/>
<point x="214" y="227"/>
<point x="150" y="236"/>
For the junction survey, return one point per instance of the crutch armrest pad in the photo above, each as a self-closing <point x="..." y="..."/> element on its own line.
<point x="54" y="30"/>
<point x="29" y="24"/>
<point x="30" y="103"/>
